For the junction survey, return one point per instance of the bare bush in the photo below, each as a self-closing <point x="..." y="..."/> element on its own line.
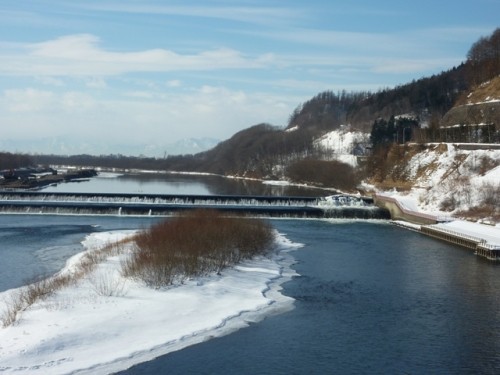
<point x="448" y="204"/>
<point x="12" y="307"/>
<point x="490" y="194"/>
<point x="193" y="244"/>
<point x="108" y="284"/>
<point x="41" y="289"/>
<point x="326" y="173"/>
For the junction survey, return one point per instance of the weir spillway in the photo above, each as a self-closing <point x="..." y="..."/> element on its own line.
<point x="336" y="206"/>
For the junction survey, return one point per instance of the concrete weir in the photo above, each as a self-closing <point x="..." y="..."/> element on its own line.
<point x="341" y="206"/>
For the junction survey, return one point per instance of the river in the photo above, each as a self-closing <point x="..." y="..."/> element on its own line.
<point x="370" y="298"/>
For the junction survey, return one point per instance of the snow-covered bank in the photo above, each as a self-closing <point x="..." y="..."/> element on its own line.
<point x="106" y="323"/>
<point x="487" y="234"/>
<point x="447" y="179"/>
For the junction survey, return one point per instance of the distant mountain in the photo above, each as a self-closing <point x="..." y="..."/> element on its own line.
<point x="70" y="146"/>
<point x="189" y="146"/>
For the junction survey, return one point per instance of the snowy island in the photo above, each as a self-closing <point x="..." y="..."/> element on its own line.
<point x="107" y="323"/>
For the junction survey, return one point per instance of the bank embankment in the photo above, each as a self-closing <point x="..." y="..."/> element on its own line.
<point x="483" y="240"/>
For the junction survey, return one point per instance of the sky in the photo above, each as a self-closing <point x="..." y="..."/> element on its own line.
<point x="122" y="76"/>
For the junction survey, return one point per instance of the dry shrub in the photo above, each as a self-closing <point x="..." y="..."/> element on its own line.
<point x="194" y="244"/>
<point x="486" y="208"/>
<point x="108" y="285"/>
<point x="40" y="289"/>
<point x="486" y="164"/>
<point x="490" y="194"/>
<point x="12" y="307"/>
<point x="325" y="173"/>
<point x="28" y="295"/>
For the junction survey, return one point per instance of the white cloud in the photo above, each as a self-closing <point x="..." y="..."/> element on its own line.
<point x="27" y="100"/>
<point x="96" y="83"/>
<point x="174" y="83"/>
<point x="50" y="81"/>
<point x="82" y="55"/>
<point x="261" y="15"/>
<point x="77" y="102"/>
<point x="139" y="94"/>
<point x="139" y="117"/>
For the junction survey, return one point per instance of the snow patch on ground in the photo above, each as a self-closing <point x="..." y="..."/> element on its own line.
<point x="449" y="175"/>
<point x="83" y="329"/>
<point x="343" y="145"/>
<point x="488" y="233"/>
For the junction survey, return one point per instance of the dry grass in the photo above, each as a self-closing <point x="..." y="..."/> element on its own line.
<point x="483" y="212"/>
<point x="488" y="208"/>
<point x="41" y="289"/>
<point x="28" y="295"/>
<point x="488" y="90"/>
<point x="194" y="244"/>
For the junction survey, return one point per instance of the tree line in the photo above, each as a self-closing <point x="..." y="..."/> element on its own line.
<point x="13" y="161"/>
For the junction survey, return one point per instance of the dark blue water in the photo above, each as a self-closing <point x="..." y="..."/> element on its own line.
<point x="34" y="246"/>
<point x="370" y="299"/>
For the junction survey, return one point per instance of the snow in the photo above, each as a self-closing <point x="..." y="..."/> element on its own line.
<point x="488" y="233"/>
<point x="109" y="174"/>
<point x="486" y="101"/>
<point x="276" y="182"/>
<point x="455" y="174"/>
<point x="441" y="173"/>
<point x="81" y="329"/>
<point x="341" y="144"/>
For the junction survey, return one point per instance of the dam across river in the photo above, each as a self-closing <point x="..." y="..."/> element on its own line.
<point x="335" y="206"/>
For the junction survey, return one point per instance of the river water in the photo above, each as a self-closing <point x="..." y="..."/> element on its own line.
<point x="371" y="298"/>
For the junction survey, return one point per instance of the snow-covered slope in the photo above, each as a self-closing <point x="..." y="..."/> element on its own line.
<point x="444" y="177"/>
<point x="343" y="145"/>
<point x="454" y="178"/>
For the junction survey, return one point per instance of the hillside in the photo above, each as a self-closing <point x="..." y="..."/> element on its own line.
<point x="479" y="106"/>
<point x="424" y="98"/>
<point x="488" y="91"/>
<point x="458" y="179"/>
<point x="438" y="105"/>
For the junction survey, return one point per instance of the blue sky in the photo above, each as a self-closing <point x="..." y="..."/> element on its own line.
<point x="136" y="73"/>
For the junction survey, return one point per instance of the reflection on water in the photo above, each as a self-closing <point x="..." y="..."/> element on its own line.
<point x="167" y="183"/>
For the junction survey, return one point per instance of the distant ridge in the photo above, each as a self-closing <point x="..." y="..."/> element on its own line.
<point x="71" y="146"/>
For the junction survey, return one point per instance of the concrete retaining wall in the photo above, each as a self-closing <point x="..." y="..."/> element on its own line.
<point x="400" y="213"/>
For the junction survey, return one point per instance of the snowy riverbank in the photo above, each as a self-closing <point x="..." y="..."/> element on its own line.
<point x="82" y="329"/>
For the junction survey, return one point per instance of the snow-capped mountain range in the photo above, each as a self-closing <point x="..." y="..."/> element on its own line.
<point x="69" y="146"/>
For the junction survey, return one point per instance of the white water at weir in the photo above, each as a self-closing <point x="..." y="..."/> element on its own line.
<point x="343" y="206"/>
<point x="331" y="201"/>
